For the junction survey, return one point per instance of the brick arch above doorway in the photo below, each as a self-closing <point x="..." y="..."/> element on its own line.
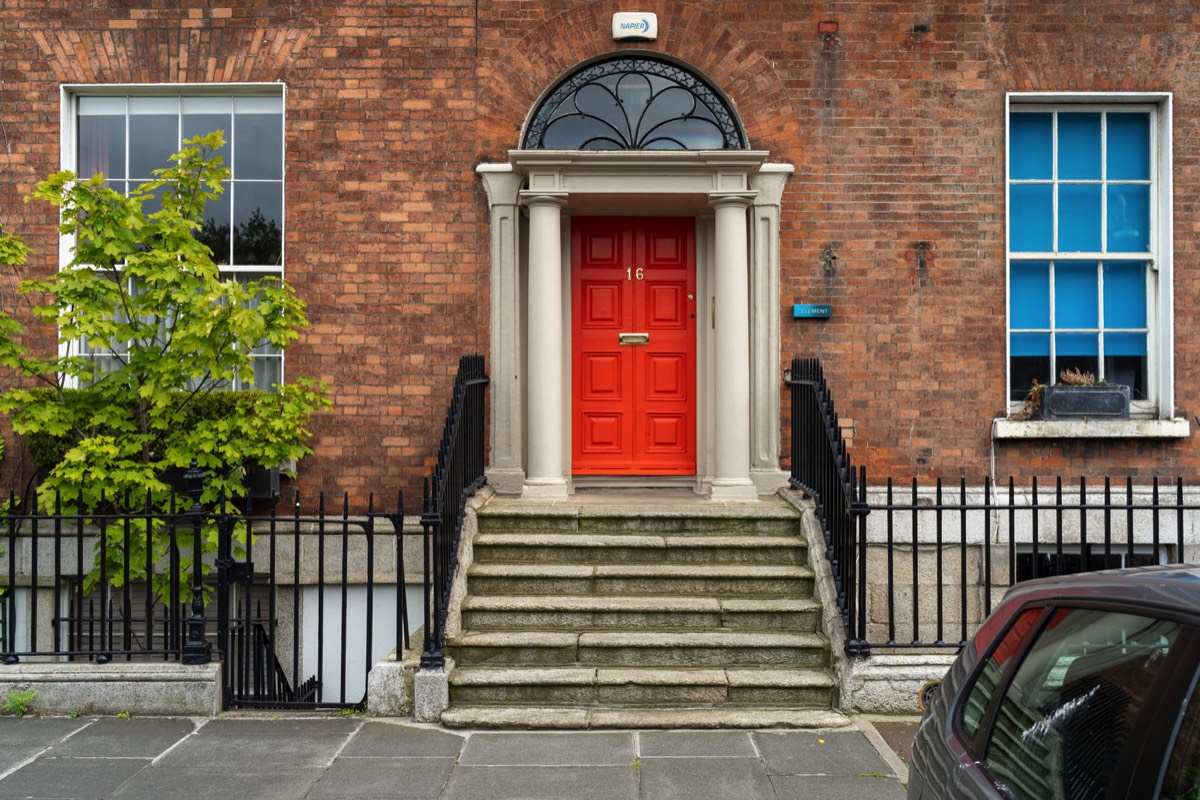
<point x="518" y="63"/>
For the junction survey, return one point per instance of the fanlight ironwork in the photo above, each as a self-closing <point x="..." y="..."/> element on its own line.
<point x="634" y="104"/>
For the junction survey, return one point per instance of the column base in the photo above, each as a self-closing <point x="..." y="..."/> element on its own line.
<point x="546" y="489"/>
<point x="738" y="490"/>
<point x="508" y="481"/>
<point x="769" y="481"/>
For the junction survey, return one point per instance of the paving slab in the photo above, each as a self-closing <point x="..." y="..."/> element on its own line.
<point x="819" y="753"/>
<point x="142" y="737"/>
<point x="267" y="783"/>
<point x="388" y="740"/>
<point x="22" y="738"/>
<point x="692" y="744"/>
<point x="550" y="749"/>
<point x="841" y="787"/>
<point x="704" y="778"/>
<point x="74" y="778"/>
<point x="542" y="783"/>
<point x="241" y="746"/>
<point x="383" y="777"/>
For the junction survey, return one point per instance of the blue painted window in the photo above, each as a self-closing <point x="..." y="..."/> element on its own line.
<point x="1080" y="209"/>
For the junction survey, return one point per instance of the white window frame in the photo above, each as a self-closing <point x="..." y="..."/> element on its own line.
<point x="1160" y="406"/>
<point x="69" y="95"/>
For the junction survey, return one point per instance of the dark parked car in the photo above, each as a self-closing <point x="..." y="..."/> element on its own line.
<point x="1076" y="687"/>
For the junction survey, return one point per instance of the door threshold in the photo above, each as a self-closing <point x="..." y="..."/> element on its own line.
<point x="634" y="482"/>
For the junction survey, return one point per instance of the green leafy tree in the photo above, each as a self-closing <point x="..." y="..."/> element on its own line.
<point x="143" y="290"/>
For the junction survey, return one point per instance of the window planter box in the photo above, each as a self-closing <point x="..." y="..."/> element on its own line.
<point x="1109" y="401"/>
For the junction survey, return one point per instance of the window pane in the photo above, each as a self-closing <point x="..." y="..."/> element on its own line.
<point x="1183" y="771"/>
<point x="1078" y="146"/>
<point x="1031" y="215"/>
<point x="1030" y="147"/>
<point x="153" y="138"/>
<point x="1128" y="371"/>
<point x="102" y="145"/>
<point x="1124" y="295"/>
<point x="1030" y="344"/>
<point x="1128" y="146"/>
<point x="1024" y="370"/>
<point x="203" y="115"/>
<point x="1076" y="344"/>
<point x="985" y="685"/>
<point x="258" y="228"/>
<point x="268" y="372"/>
<point x="1079" y="218"/>
<point x="1065" y="717"/>
<point x="257" y="146"/>
<point x="1076" y="295"/>
<point x="1128" y="219"/>
<point x="1029" y="301"/>
<point x="1125" y="344"/>
<point x="216" y="227"/>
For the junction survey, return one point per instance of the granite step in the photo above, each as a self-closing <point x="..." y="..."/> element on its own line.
<point x="631" y="687"/>
<point x="638" y="612"/>
<point x="705" y="648"/>
<point x="631" y="548"/>
<point x="649" y="717"/>
<point x="739" y="580"/>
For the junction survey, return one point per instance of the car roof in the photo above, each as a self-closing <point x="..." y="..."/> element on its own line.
<point x="1175" y="587"/>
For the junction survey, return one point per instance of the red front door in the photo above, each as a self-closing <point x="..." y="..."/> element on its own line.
<point x="633" y="387"/>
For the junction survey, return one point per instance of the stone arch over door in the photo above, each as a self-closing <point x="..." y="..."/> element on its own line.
<point x="731" y="191"/>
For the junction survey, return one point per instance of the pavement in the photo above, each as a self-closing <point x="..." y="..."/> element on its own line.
<point x="320" y="757"/>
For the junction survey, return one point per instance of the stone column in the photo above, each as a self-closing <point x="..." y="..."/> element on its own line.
<point x="505" y="471"/>
<point x="731" y="478"/>
<point x="544" y="473"/>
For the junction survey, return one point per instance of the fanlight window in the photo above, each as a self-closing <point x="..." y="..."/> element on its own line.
<point x="634" y="104"/>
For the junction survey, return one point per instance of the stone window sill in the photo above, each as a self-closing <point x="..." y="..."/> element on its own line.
<point x="1177" y="428"/>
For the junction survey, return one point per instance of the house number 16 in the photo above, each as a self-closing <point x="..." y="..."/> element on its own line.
<point x="632" y="273"/>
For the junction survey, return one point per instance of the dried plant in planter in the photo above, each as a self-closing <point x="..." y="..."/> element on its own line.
<point x="1033" y="403"/>
<point x="1074" y="377"/>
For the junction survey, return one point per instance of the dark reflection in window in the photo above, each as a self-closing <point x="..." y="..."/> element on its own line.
<point x="634" y="104"/>
<point x="215" y="230"/>
<point x="257" y="231"/>
<point x="258" y="144"/>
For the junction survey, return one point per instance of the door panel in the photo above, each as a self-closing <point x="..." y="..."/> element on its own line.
<point x="633" y="403"/>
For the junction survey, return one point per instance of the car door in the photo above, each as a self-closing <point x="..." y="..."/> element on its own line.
<point x="1062" y="721"/>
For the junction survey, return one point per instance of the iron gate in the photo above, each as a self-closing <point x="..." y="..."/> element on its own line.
<point x="306" y="604"/>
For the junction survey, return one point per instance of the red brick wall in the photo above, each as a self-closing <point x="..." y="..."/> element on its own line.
<point x="381" y="220"/>
<point x="897" y="138"/>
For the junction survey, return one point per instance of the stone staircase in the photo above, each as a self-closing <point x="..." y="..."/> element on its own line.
<point x="650" y="614"/>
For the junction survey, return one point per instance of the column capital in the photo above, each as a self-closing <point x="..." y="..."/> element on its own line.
<point x="540" y="197"/>
<point x="726" y="199"/>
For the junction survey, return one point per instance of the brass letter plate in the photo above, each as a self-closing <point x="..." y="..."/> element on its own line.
<point x="633" y="338"/>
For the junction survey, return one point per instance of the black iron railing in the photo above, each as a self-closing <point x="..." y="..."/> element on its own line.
<point x="926" y="569"/>
<point x="456" y="476"/>
<point x="821" y="468"/>
<point x="941" y="558"/>
<point x="69" y="568"/>
<point x="295" y="596"/>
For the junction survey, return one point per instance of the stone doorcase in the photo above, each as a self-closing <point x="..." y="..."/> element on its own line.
<point x="734" y="196"/>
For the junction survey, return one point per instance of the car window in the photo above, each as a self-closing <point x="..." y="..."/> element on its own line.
<point x="1065" y="716"/>
<point x="1182" y="781"/>
<point x="981" y="692"/>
